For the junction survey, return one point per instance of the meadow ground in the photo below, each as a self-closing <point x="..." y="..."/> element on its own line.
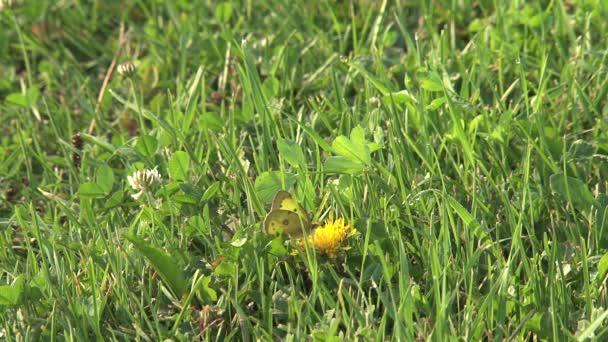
<point x="453" y="153"/>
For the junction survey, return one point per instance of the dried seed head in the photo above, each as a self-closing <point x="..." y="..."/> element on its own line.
<point x="77" y="141"/>
<point x="76" y="161"/>
<point x="10" y="194"/>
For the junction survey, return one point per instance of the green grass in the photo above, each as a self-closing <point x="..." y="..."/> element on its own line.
<point x="466" y="142"/>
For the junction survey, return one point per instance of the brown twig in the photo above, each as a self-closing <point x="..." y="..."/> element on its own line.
<point x="122" y="40"/>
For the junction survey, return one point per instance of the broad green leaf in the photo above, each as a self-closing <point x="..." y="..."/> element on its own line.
<point x="602" y="269"/>
<point x="470" y="222"/>
<point x="223" y="12"/>
<point x="169" y="271"/>
<point x="355" y="149"/>
<point x="184" y="199"/>
<point x="114" y="200"/>
<point x="431" y="82"/>
<point x="179" y="165"/>
<point x="32" y="95"/>
<point x="211" y="121"/>
<point x="316" y="137"/>
<point x="276" y="247"/>
<point x="373" y="147"/>
<point x="572" y="190"/>
<point x="104" y="178"/>
<point x="191" y="191"/>
<point x="399" y="97"/>
<point x="376" y="227"/>
<point x="342" y="165"/>
<point x="147" y="145"/>
<point x="292" y="153"/>
<point x="198" y="224"/>
<point x="211" y="191"/>
<point x="23" y="100"/>
<point x="11" y="294"/>
<point x="206" y="291"/>
<point x="581" y="150"/>
<point x="34" y="290"/>
<point x="380" y="84"/>
<point x="535" y="322"/>
<point x="226" y="268"/>
<point x="238" y="242"/>
<point x="91" y="190"/>
<point x="436" y="103"/>
<point x="601" y="214"/>
<point x="268" y="183"/>
<point x="597" y="323"/>
<point x="271" y="87"/>
<point x="91" y="139"/>
<point x="16" y="99"/>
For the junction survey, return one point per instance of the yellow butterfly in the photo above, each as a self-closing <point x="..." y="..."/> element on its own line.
<point x="286" y="216"/>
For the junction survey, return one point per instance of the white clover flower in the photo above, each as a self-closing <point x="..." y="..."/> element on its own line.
<point x="144" y="181"/>
<point x="126" y="69"/>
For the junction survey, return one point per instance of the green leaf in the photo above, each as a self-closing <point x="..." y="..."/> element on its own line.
<point x="91" y="139"/>
<point x="11" y="294"/>
<point x="277" y="248"/>
<point x="189" y="194"/>
<point x="378" y="83"/>
<point x="197" y="223"/>
<point x="341" y="165"/>
<point x="211" y="191"/>
<point x="602" y="269"/>
<point x="226" y="268"/>
<point x="16" y="99"/>
<point x="179" y="165"/>
<point x="31" y="96"/>
<point x="399" y="97"/>
<point x="572" y="190"/>
<point x="23" y="100"/>
<point x="470" y="222"/>
<point x="535" y="322"/>
<point x="211" y="121"/>
<point x="376" y="227"/>
<point x="206" y="291"/>
<point x="115" y="200"/>
<point x="191" y="190"/>
<point x="355" y="149"/>
<point x="436" y="103"/>
<point x="239" y="242"/>
<point x="316" y="137"/>
<point x="581" y="150"/>
<point x="147" y="145"/>
<point x="589" y="332"/>
<point x="169" y="271"/>
<point x="291" y="152"/>
<point x="91" y="190"/>
<point x="431" y="82"/>
<point x="184" y="199"/>
<point x="104" y="178"/>
<point x="601" y="214"/>
<point x="268" y="183"/>
<point x="373" y="147"/>
<point x="223" y="12"/>
<point x="271" y="87"/>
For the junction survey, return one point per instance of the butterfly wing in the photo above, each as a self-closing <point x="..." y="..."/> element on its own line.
<point x="280" y="197"/>
<point x="283" y="201"/>
<point x="285" y="221"/>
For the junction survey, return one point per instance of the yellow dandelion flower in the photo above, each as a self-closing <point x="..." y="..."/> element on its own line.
<point x="330" y="238"/>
